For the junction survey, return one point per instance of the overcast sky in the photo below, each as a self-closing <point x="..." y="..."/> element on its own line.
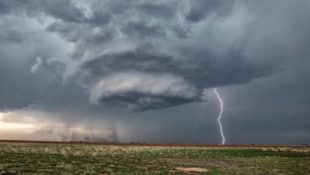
<point x="144" y="71"/>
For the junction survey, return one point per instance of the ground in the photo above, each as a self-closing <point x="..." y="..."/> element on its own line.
<point x="77" y="158"/>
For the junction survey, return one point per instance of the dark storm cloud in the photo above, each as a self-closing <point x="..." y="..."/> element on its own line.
<point x="274" y="110"/>
<point x="59" y="9"/>
<point x="143" y="30"/>
<point x="11" y="36"/>
<point x="192" y="45"/>
<point x="144" y="38"/>
<point x="21" y="44"/>
<point x="146" y="55"/>
<point x="199" y="9"/>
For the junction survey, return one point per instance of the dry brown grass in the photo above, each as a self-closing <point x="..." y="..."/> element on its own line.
<point x="46" y="158"/>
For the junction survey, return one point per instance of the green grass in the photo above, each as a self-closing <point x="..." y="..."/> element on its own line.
<point x="35" y="158"/>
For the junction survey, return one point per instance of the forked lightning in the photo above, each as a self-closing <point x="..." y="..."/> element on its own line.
<point x="220" y="115"/>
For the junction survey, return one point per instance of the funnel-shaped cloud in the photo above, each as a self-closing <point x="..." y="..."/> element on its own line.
<point x="143" y="90"/>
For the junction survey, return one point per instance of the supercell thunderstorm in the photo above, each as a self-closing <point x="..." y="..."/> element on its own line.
<point x="152" y="60"/>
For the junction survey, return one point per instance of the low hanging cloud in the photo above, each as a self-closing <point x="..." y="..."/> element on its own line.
<point x="150" y="55"/>
<point x="143" y="90"/>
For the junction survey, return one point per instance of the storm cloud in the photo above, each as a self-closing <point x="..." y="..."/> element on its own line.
<point x="152" y="55"/>
<point x="147" y="55"/>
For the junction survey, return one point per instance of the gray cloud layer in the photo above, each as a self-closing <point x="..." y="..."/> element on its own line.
<point x="146" y="55"/>
<point x="157" y="52"/>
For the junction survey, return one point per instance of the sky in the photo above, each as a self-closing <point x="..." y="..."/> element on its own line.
<point x="145" y="71"/>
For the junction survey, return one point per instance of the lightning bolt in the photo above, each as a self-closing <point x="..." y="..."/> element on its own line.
<point x="220" y="115"/>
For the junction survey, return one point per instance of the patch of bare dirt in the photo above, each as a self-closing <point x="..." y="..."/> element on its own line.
<point x="192" y="169"/>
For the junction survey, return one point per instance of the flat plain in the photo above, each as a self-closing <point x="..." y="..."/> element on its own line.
<point x="84" y="158"/>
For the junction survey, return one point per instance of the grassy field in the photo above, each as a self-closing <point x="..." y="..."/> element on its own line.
<point x="44" y="158"/>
